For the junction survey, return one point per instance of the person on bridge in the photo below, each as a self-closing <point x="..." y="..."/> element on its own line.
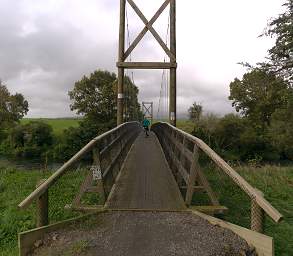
<point x="146" y="123"/>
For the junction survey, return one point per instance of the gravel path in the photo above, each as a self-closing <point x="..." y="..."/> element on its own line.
<point x="143" y="234"/>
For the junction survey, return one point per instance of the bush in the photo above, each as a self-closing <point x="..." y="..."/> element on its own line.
<point x="236" y="139"/>
<point x="29" y="140"/>
<point x="74" y="139"/>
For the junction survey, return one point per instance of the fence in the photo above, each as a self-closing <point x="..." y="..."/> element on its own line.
<point x="81" y="187"/>
<point x="184" y="152"/>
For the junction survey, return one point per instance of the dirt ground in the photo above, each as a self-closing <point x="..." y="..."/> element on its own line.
<point x="141" y="234"/>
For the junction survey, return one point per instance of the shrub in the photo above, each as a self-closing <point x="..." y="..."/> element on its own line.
<point x="30" y="140"/>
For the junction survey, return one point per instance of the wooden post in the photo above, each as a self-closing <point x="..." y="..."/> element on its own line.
<point x="257" y="215"/>
<point x="120" y="86"/>
<point x="42" y="207"/>
<point x="192" y="176"/>
<point x="99" y="175"/>
<point x="172" y="107"/>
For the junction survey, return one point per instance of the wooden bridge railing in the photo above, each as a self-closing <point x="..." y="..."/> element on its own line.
<point x="109" y="151"/>
<point x="182" y="152"/>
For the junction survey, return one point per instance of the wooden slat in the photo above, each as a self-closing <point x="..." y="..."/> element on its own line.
<point x="195" y="188"/>
<point x="194" y="169"/>
<point x="203" y="181"/>
<point x="146" y="65"/>
<point x="83" y="188"/>
<point x="209" y="208"/>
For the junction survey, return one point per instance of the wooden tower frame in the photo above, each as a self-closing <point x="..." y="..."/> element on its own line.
<point x="147" y="110"/>
<point x="123" y="54"/>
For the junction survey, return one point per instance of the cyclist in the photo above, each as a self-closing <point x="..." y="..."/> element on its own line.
<point x="146" y="123"/>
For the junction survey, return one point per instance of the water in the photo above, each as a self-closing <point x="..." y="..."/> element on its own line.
<point x="27" y="165"/>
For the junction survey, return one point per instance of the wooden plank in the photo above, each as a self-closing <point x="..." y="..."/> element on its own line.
<point x="203" y="181"/>
<point x="152" y="30"/>
<point x="240" y="181"/>
<point x="173" y="75"/>
<point x="87" y="208"/>
<point x="145" y="30"/>
<point x="195" y="188"/>
<point x="120" y="85"/>
<point x="83" y="188"/>
<point x="264" y="245"/>
<point x="27" y="239"/>
<point x="194" y="168"/>
<point x="209" y="209"/>
<point x="99" y="178"/>
<point x="146" y="65"/>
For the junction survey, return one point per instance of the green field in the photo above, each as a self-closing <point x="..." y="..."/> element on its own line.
<point x="58" y="124"/>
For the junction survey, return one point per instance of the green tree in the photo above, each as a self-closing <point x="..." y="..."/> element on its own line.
<point x="195" y="112"/>
<point x="33" y="139"/>
<point x="280" y="131"/>
<point x="95" y="98"/>
<point x="258" y="95"/>
<point x="12" y="107"/>
<point x="281" y="54"/>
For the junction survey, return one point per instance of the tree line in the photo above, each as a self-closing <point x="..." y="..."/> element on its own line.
<point x="93" y="97"/>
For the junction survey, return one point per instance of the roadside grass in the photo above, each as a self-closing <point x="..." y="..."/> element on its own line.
<point x="58" y="124"/>
<point x="277" y="185"/>
<point x="15" y="185"/>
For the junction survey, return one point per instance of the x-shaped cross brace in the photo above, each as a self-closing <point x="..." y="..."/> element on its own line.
<point x="147" y="110"/>
<point x="149" y="27"/>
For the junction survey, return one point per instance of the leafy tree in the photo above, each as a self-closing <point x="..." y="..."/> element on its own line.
<point x="12" y="107"/>
<point x="280" y="131"/>
<point x="258" y="95"/>
<point x="95" y="98"/>
<point x="195" y="112"/>
<point x="281" y="54"/>
<point x="131" y="105"/>
<point x="30" y="140"/>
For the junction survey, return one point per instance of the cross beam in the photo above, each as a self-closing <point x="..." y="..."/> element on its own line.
<point x="124" y="54"/>
<point x="149" y="27"/>
<point x="147" y="110"/>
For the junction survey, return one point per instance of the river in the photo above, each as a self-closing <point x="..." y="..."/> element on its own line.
<point x="27" y="165"/>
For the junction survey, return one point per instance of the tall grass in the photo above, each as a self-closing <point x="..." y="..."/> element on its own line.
<point x="275" y="182"/>
<point x="15" y="185"/>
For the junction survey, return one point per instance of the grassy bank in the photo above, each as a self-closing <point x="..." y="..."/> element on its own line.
<point x="15" y="185"/>
<point x="58" y="124"/>
<point x="275" y="182"/>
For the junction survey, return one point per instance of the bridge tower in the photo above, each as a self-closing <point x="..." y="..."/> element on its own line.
<point x="124" y="53"/>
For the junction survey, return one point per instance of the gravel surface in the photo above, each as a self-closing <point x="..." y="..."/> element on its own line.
<point x="143" y="233"/>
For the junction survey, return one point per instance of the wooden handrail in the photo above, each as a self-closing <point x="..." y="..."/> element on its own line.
<point x="56" y="175"/>
<point x="238" y="179"/>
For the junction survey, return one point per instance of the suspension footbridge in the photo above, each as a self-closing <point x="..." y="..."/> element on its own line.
<point x="146" y="187"/>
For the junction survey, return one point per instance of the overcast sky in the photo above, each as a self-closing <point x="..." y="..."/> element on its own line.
<point x="45" y="46"/>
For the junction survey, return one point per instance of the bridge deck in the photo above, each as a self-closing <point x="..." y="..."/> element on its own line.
<point x="146" y="182"/>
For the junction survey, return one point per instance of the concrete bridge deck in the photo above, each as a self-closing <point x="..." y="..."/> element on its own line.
<point x="145" y="181"/>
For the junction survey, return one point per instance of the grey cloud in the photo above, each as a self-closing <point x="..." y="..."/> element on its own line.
<point x="63" y="44"/>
